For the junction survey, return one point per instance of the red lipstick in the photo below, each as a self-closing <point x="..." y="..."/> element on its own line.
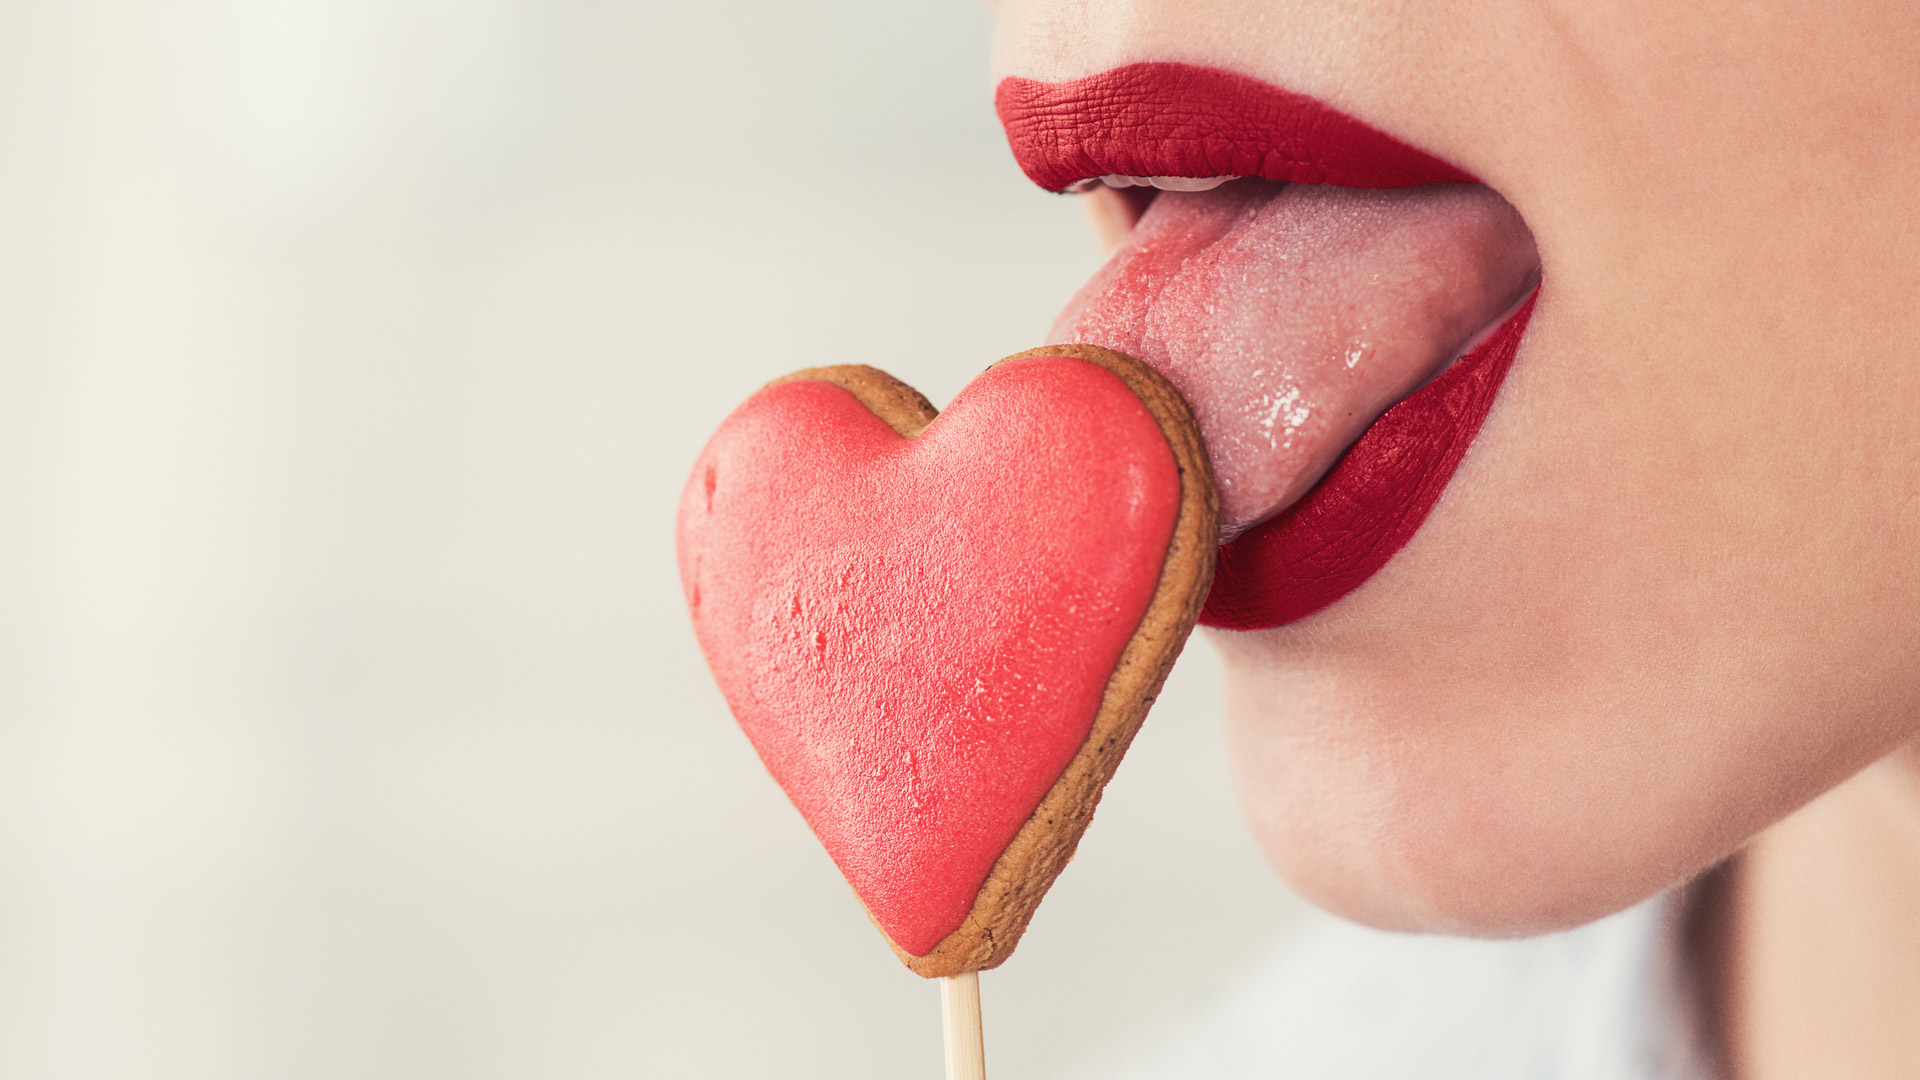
<point x="1165" y="119"/>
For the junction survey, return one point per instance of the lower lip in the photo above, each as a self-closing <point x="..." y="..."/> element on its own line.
<point x="1370" y="504"/>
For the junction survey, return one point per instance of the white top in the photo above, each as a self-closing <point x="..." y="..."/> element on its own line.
<point x="1612" y="1000"/>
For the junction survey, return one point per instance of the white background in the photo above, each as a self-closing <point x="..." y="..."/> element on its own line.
<point x="351" y="356"/>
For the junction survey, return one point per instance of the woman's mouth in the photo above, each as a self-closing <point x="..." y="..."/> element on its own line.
<point x="1308" y="283"/>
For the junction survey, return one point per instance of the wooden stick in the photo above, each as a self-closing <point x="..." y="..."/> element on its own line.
<point x="966" y="1049"/>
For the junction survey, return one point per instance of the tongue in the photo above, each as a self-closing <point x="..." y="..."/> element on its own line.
<point x="1291" y="316"/>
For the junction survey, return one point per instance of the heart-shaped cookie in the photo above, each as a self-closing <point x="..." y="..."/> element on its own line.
<point x="941" y="634"/>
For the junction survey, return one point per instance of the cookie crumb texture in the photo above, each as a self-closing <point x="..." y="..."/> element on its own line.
<point x="941" y="634"/>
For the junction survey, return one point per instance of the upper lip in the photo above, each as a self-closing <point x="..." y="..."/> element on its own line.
<point x="1172" y="119"/>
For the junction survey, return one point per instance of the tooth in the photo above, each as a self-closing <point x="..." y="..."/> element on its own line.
<point x="1188" y="183"/>
<point x="1165" y="183"/>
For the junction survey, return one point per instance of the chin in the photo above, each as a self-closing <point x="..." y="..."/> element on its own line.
<point x="1457" y="818"/>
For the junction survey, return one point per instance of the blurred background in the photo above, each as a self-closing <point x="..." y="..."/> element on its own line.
<point x="352" y="354"/>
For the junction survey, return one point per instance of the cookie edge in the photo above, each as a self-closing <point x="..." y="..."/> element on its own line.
<point x="906" y="410"/>
<point x="1030" y="863"/>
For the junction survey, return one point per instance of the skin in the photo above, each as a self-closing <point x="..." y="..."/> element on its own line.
<point x="1819" y="965"/>
<point x="1673" y="594"/>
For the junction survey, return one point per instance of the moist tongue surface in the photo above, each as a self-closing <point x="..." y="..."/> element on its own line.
<point x="1291" y="315"/>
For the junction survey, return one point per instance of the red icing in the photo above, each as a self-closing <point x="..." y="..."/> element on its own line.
<point x="915" y="634"/>
<point x="1370" y="504"/>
